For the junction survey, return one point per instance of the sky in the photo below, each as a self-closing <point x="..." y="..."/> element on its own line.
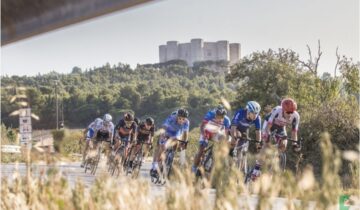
<point x="132" y="36"/>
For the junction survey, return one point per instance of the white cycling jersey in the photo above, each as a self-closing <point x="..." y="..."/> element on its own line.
<point x="277" y="118"/>
<point x="103" y="127"/>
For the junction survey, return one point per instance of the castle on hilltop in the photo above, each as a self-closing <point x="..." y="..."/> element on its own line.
<point x="198" y="50"/>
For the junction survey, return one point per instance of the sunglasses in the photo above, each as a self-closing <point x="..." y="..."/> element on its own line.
<point x="181" y="118"/>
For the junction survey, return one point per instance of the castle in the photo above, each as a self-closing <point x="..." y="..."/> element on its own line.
<point x="198" y="50"/>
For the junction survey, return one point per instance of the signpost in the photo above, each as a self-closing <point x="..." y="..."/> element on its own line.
<point x="25" y="126"/>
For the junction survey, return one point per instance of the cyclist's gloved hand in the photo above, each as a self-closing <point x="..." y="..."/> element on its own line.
<point x="183" y="145"/>
<point x="296" y="147"/>
<point x="258" y="146"/>
<point x="265" y="136"/>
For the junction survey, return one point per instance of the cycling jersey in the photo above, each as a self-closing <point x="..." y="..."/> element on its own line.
<point x="277" y="119"/>
<point x="91" y="128"/>
<point x="125" y="132"/>
<point x="173" y="129"/>
<point x="212" y="128"/>
<point x="210" y="124"/>
<point x="103" y="130"/>
<point x="242" y="123"/>
<point x="143" y="134"/>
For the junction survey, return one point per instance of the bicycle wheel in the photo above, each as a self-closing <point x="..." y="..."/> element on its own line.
<point x="87" y="165"/>
<point x="242" y="161"/>
<point x="137" y="165"/>
<point x="282" y="161"/>
<point x="97" y="159"/>
<point x="168" y="163"/>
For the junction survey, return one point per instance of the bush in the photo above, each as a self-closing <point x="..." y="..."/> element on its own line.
<point x="58" y="135"/>
<point x="70" y="143"/>
<point x="338" y="119"/>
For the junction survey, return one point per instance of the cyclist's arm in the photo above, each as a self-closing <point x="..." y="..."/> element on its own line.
<point x="152" y="134"/>
<point x="271" y="119"/>
<point x="185" y="136"/>
<point x="258" y="128"/>
<point x="202" y="126"/>
<point x="111" y="133"/>
<point x="295" y="126"/>
<point x="234" y="123"/>
<point x="134" y="133"/>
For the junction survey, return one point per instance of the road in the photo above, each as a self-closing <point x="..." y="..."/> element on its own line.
<point x="72" y="171"/>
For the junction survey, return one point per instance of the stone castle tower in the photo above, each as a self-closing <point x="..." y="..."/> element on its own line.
<point x="198" y="50"/>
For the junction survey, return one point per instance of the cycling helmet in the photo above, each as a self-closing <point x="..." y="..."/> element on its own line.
<point x="253" y="107"/>
<point x="182" y="113"/>
<point x="221" y="111"/>
<point x="149" y="121"/>
<point x="128" y="117"/>
<point x="136" y="120"/>
<point x="288" y="105"/>
<point x="107" y="118"/>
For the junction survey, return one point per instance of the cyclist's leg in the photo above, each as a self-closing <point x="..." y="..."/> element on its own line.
<point x="283" y="140"/>
<point x="146" y="149"/>
<point x="162" y="148"/>
<point x="85" y="151"/>
<point x="134" y="151"/>
<point x="203" y="143"/>
<point x="155" y="155"/>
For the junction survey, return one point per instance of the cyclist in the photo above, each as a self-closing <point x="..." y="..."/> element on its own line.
<point x="89" y="133"/>
<point x="176" y="126"/>
<point x="215" y="126"/>
<point x="125" y="131"/>
<point x="145" y="135"/>
<point x="280" y="117"/>
<point x="103" y="130"/>
<point x="240" y="124"/>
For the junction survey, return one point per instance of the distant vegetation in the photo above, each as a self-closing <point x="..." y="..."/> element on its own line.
<point x="326" y="103"/>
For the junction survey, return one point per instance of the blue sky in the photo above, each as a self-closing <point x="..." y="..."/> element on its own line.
<point x="133" y="36"/>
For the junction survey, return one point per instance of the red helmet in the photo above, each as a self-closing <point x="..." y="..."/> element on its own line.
<point x="288" y="105"/>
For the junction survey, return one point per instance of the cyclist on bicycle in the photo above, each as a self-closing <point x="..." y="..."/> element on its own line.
<point x="240" y="124"/>
<point x="145" y="135"/>
<point x="89" y="133"/>
<point x="280" y="117"/>
<point x="215" y="126"/>
<point x="175" y="126"/>
<point x="125" y="131"/>
<point x="103" y="131"/>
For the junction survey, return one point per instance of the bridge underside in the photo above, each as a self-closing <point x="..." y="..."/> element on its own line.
<point x="22" y="19"/>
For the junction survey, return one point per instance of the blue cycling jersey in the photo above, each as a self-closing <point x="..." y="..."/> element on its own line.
<point x="242" y="123"/>
<point x="173" y="129"/>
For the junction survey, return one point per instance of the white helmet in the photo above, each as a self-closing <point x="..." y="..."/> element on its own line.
<point x="107" y="118"/>
<point x="253" y="107"/>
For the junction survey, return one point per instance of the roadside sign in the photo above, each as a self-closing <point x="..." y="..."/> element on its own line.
<point x="10" y="149"/>
<point x="25" y="126"/>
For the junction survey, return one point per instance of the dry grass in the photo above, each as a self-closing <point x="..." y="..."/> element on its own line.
<point x="52" y="191"/>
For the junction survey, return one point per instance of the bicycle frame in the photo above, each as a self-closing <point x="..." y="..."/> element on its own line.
<point x="281" y="153"/>
<point x="207" y="162"/>
<point x="241" y="153"/>
<point x="166" y="165"/>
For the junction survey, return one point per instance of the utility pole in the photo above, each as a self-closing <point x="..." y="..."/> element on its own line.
<point x="57" y="106"/>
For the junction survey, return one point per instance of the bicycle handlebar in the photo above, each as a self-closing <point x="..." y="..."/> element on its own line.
<point x="248" y="139"/>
